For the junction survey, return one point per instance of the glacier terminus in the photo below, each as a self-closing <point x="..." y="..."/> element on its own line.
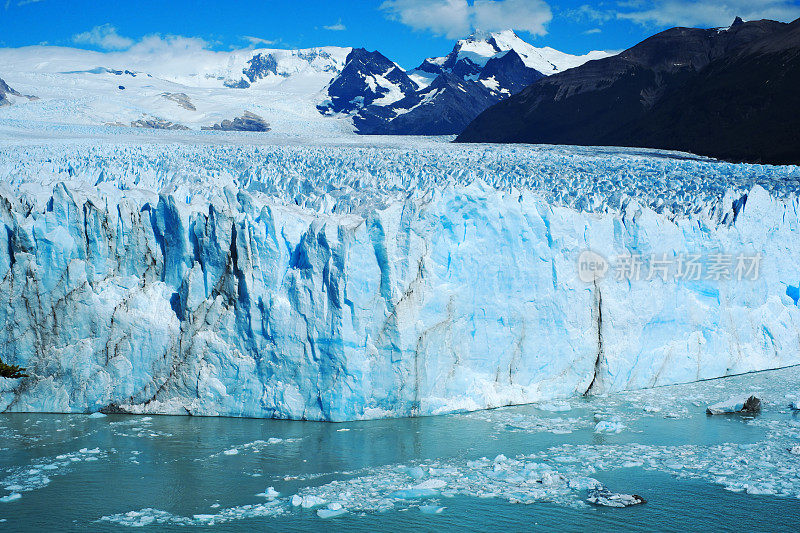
<point x="357" y="279"/>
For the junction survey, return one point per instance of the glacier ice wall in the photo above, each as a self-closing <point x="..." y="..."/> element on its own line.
<point x="464" y="299"/>
<point x="376" y="282"/>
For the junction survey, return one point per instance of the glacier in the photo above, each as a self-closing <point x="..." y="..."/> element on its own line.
<point x="181" y="273"/>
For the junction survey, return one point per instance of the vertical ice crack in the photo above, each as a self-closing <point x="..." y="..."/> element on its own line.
<point x="600" y="355"/>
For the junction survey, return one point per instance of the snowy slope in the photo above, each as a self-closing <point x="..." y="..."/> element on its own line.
<point x="83" y="87"/>
<point x="546" y="60"/>
<point x="189" y="273"/>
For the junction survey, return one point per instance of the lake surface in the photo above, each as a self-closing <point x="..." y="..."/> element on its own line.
<point x="518" y="468"/>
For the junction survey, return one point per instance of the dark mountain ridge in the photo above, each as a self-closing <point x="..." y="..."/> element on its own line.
<point x="384" y="99"/>
<point x="727" y="93"/>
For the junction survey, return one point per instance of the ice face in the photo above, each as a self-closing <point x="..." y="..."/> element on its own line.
<point x="341" y="282"/>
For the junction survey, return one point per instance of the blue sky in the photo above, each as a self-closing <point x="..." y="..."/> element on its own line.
<point x="406" y="31"/>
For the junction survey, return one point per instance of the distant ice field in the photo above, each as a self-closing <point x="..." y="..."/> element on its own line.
<point x="347" y="173"/>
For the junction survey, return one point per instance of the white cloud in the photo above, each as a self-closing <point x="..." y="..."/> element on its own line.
<point x="336" y="27"/>
<point x="587" y="12"/>
<point x="712" y="13"/>
<point x="457" y="18"/>
<point x="175" y="45"/>
<point x="593" y="31"/>
<point x="105" y="37"/>
<point x="255" y="41"/>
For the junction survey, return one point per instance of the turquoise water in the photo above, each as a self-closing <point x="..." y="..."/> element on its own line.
<point x="76" y="473"/>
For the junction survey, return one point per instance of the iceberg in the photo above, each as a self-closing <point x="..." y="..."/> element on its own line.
<point x="341" y="282"/>
<point x="747" y="403"/>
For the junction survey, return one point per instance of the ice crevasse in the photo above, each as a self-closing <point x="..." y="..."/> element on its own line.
<point x="465" y="297"/>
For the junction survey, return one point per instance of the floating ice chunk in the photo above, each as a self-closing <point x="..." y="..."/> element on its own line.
<point x="11" y="497"/>
<point x="555" y="406"/>
<point x="584" y="483"/>
<point x="758" y="489"/>
<point x="216" y="505"/>
<point x="651" y="409"/>
<point x="307" y="502"/>
<point x="312" y="501"/>
<point x="89" y="451"/>
<point x="98" y="414"/>
<point x="794" y="450"/>
<point x="413" y="494"/>
<point x="609" y="426"/>
<point x="431" y="484"/>
<point x="333" y="509"/>
<point x="232" y="451"/>
<point x="604" y="497"/>
<point x="416" y="472"/>
<point x="427" y="489"/>
<point x="270" y="493"/>
<point x="736" y="404"/>
<point x="431" y="509"/>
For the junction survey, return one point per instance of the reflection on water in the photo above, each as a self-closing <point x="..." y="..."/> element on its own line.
<point x="516" y="467"/>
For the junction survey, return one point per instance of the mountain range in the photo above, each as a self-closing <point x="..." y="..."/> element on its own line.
<point x="443" y="94"/>
<point x="730" y="93"/>
<point x="321" y="91"/>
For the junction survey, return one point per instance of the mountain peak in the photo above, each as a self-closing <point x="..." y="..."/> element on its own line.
<point x="479" y="35"/>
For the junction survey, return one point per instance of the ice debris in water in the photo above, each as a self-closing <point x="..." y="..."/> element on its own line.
<point x="39" y="473"/>
<point x="11" y="497"/>
<point x="150" y="516"/>
<point x="560" y="474"/>
<point x="555" y="406"/>
<point x="736" y="404"/>
<point x="603" y="497"/>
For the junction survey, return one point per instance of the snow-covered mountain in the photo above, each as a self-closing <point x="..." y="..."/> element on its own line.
<point x="443" y="94"/>
<point x="327" y="90"/>
<point x="8" y="95"/>
<point x="470" y="55"/>
<point x="368" y="78"/>
<point x="182" y="86"/>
